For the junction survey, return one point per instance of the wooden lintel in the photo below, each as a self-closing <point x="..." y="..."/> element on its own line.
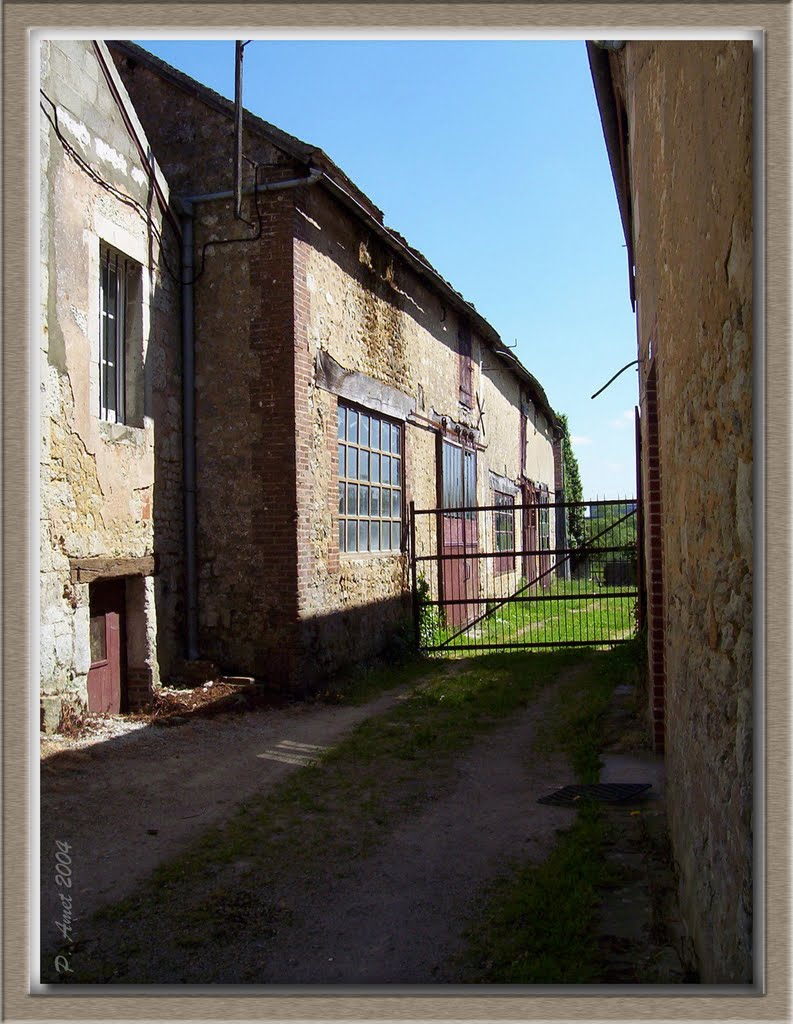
<point x="103" y="567"/>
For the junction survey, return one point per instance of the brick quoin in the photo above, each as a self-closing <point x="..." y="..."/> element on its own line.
<point x="655" y="581"/>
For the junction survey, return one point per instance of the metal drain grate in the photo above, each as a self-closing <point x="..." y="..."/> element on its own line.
<point x="598" y="792"/>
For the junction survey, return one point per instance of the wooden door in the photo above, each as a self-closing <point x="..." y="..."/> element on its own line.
<point x="460" y="533"/>
<point x="105" y="676"/>
<point x="530" y="533"/>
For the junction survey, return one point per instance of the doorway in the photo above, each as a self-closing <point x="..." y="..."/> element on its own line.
<point x="106" y="676"/>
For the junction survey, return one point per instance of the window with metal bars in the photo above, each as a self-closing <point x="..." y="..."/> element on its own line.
<point x="370" y="481"/>
<point x="112" y="335"/>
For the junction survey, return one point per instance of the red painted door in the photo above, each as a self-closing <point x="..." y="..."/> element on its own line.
<point x="460" y="534"/>
<point x="105" y="676"/>
<point x="530" y="534"/>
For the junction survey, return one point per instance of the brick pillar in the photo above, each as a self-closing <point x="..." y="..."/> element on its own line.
<point x="654" y="561"/>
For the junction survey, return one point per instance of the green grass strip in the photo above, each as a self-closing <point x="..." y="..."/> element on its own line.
<point x="539" y="922"/>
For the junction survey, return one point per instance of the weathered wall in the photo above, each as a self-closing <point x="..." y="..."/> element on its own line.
<point x="98" y="479"/>
<point x="276" y="598"/>
<point x="689" y="110"/>
<point x="245" y="369"/>
<point x="358" y="302"/>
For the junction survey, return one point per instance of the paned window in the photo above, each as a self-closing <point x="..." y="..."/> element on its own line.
<point x="112" y="336"/>
<point x="370" y="482"/>
<point x="459" y="479"/>
<point x="545" y="522"/>
<point x="504" y="528"/>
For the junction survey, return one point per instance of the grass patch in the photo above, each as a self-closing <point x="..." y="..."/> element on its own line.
<point x="539" y="923"/>
<point x="538" y="928"/>
<point x="582" y="619"/>
<point x="362" y="684"/>
<point x="313" y="824"/>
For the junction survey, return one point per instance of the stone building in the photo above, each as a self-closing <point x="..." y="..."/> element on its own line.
<point x="677" y="119"/>
<point x="313" y="377"/>
<point x="109" y="344"/>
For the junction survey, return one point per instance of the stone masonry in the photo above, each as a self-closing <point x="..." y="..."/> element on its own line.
<point x="687" y="113"/>
<point x="313" y="280"/>
<point x="98" y="479"/>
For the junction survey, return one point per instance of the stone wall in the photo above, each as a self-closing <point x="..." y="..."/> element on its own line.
<point x="689" y="108"/>
<point x="98" y="479"/>
<point x="358" y="303"/>
<point x="307" y="279"/>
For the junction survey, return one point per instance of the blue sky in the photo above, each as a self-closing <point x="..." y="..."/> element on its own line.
<point x="488" y="156"/>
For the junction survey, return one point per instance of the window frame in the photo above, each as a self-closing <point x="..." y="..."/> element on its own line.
<point x="464" y="484"/>
<point x="118" y="386"/>
<point x="349" y="487"/>
<point x="504" y="562"/>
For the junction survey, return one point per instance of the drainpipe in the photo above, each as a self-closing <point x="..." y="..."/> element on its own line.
<point x="187" y="215"/>
<point x="188" y="433"/>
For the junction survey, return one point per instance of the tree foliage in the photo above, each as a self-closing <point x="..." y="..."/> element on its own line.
<point x="573" y="491"/>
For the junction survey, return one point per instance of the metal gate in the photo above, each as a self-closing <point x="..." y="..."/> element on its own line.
<point x="542" y="574"/>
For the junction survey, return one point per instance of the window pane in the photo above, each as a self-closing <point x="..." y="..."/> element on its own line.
<point x="98" y="648"/>
<point x="352" y="535"/>
<point x="385" y="469"/>
<point x="452" y="476"/>
<point x="363" y="430"/>
<point x="341" y="499"/>
<point x="342" y="421"/>
<point x="363" y="501"/>
<point x="396" y="530"/>
<point x="352" y="425"/>
<point x="374" y="536"/>
<point x="395" y="505"/>
<point x="374" y="469"/>
<point x="395" y="472"/>
<point x="375" y="438"/>
<point x="363" y="466"/>
<point x="395" y="440"/>
<point x="375" y="501"/>
<point x="342" y="460"/>
<point x="352" y="498"/>
<point x="342" y="534"/>
<point x="352" y="463"/>
<point x="363" y="535"/>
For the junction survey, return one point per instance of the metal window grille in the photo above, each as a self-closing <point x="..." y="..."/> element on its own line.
<point x="370" y="482"/>
<point x="112" y="340"/>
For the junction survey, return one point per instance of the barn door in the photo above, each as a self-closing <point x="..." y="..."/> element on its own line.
<point x="460" y="532"/>
<point x="105" y="676"/>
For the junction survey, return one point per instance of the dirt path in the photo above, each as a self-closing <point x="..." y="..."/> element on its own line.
<point x="398" y="917"/>
<point x="131" y="802"/>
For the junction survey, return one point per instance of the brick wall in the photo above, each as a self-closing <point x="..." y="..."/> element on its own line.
<point x="654" y="562"/>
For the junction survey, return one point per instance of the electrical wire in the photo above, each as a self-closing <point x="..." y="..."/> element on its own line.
<point x="127" y="200"/>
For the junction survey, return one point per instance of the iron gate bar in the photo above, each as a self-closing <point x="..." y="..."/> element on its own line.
<point x="532" y="504"/>
<point x="550" y="569"/>
<point x="583" y="551"/>
<point x="604" y="642"/>
<point x="577" y="596"/>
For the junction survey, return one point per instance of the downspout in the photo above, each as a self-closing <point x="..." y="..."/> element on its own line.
<point x="188" y="433"/>
<point x="187" y="215"/>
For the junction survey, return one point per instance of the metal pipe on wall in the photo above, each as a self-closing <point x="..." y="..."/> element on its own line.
<point x="188" y="393"/>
